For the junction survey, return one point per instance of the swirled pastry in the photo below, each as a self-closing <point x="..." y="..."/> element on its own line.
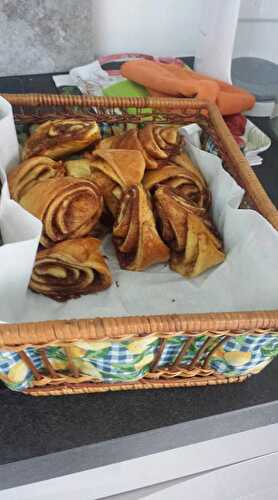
<point x="109" y="142"/>
<point x="67" y="207"/>
<point x="115" y="170"/>
<point x="78" y="168"/>
<point x="172" y="211"/>
<point x="29" y="172"/>
<point x="70" y="269"/>
<point x="58" y="138"/>
<point x="202" y="251"/>
<point x="136" y="239"/>
<point x="156" y="143"/>
<point x="160" y="142"/>
<point x="181" y="175"/>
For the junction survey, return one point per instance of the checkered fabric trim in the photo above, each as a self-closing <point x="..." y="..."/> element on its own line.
<point x="250" y="344"/>
<point x="173" y="347"/>
<point x="119" y="362"/>
<point x="35" y="357"/>
<point x="116" y="355"/>
<point x="8" y="360"/>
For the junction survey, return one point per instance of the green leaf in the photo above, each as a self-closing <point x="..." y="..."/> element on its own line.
<point x="269" y="353"/>
<point x="175" y="340"/>
<point x="240" y="340"/>
<point x="90" y="354"/>
<point x="123" y="367"/>
<point x="56" y="352"/>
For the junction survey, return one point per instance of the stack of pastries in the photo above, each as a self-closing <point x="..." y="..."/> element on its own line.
<point x="140" y="186"/>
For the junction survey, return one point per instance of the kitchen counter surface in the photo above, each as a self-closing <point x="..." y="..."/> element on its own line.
<point x="41" y="438"/>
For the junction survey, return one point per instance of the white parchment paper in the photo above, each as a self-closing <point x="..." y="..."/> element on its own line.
<point x="247" y="280"/>
<point x="20" y="231"/>
<point x="9" y="149"/>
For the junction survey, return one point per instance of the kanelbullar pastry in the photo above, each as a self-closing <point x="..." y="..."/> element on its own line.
<point x="135" y="236"/>
<point x="59" y="138"/>
<point x="203" y="249"/>
<point x="115" y="170"/>
<point x="29" y="172"/>
<point x="78" y="168"/>
<point x="160" y="142"/>
<point x="139" y="184"/>
<point x="188" y="231"/>
<point x="156" y="143"/>
<point x="181" y="175"/>
<point x="68" y="207"/>
<point x="172" y="211"/>
<point x="70" y="269"/>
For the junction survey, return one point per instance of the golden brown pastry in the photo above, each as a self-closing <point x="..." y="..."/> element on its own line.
<point x="181" y="175"/>
<point x="172" y="211"/>
<point x="58" y="138"/>
<point x="109" y="143"/>
<point x="26" y="174"/>
<point x="70" y="269"/>
<point x="78" y="168"/>
<point x="115" y="170"/>
<point x="156" y="143"/>
<point x="160" y="142"/>
<point x="202" y="251"/>
<point x="136" y="239"/>
<point x="68" y="207"/>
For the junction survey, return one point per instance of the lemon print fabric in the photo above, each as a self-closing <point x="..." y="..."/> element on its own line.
<point x="58" y="364"/>
<point x="57" y="358"/>
<point x="173" y="345"/>
<point x="87" y="368"/>
<point x="114" y="361"/>
<point x="14" y="372"/>
<point x="129" y="359"/>
<point x="18" y="372"/>
<point x="237" y="358"/>
<point x="145" y="361"/>
<point x="244" y="354"/>
<point x="137" y="346"/>
<point x="95" y="345"/>
<point x="259" y="367"/>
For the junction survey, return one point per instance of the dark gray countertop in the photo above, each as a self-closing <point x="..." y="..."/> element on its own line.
<point x="77" y="430"/>
<point x="36" y="426"/>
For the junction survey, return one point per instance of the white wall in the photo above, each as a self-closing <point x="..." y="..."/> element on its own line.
<point x="170" y="27"/>
<point x="158" y="27"/>
<point x="257" y="30"/>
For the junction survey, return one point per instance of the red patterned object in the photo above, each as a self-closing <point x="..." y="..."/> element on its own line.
<point x="236" y="123"/>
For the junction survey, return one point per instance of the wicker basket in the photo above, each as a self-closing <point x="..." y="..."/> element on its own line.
<point x="194" y="342"/>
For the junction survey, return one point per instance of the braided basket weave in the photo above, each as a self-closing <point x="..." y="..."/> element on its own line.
<point x="183" y="350"/>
